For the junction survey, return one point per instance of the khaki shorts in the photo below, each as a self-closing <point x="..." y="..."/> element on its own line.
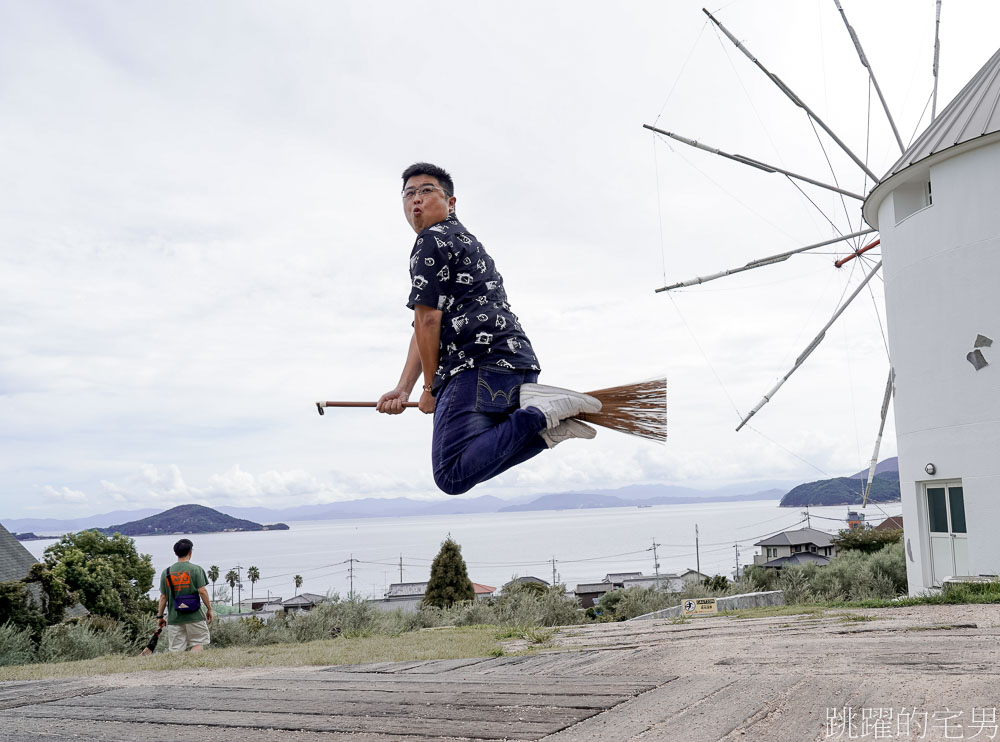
<point x="186" y="635"/>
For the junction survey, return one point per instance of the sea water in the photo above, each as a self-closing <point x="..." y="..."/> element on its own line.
<point x="586" y="544"/>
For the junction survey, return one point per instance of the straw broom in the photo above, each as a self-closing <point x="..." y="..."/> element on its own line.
<point x="634" y="409"/>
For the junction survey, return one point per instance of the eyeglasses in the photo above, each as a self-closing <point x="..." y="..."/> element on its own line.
<point x="423" y="191"/>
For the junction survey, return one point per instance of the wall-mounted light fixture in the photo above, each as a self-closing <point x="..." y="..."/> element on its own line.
<point x="930" y="469"/>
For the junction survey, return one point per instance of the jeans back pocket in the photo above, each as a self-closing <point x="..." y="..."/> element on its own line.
<point x="498" y="391"/>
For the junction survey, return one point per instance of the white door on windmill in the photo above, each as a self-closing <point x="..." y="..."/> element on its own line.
<point x="947" y="531"/>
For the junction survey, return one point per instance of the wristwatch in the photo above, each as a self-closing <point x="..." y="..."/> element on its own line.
<point x="428" y="387"/>
<point x="160" y="616"/>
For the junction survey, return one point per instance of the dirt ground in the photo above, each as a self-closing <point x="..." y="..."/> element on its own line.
<point x="921" y="673"/>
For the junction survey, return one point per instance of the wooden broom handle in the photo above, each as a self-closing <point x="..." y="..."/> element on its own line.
<point x="321" y="405"/>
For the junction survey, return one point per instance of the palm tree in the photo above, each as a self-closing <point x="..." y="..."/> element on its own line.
<point x="213" y="575"/>
<point x="298" y="583"/>
<point x="253" y="574"/>
<point x="232" y="577"/>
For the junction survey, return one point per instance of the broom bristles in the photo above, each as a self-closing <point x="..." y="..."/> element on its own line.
<point x="636" y="409"/>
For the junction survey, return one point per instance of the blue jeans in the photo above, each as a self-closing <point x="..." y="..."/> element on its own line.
<point x="480" y="430"/>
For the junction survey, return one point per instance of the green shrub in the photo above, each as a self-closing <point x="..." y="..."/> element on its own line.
<point x="230" y="633"/>
<point x="866" y="540"/>
<point x="16" y="647"/>
<point x="755" y="579"/>
<point x="796" y="585"/>
<point x="19" y="608"/>
<point x="82" y="640"/>
<point x="637" y="601"/>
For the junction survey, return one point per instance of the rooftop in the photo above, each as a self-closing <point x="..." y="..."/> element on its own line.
<point x="800" y="537"/>
<point x="15" y="560"/>
<point x="975" y="112"/>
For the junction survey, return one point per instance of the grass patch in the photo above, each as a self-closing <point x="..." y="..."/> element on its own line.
<point x="942" y="627"/>
<point x="530" y="634"/>
<point x="441" y="644"/>
<point x="856" y="618"/>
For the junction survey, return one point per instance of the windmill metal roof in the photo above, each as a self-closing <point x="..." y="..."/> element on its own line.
<point x="975" y="112"/>
<point x="972" y="115"/>
<point x="15" y="560"/>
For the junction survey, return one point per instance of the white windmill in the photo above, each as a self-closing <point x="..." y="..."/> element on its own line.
<point x="939" y="231"/>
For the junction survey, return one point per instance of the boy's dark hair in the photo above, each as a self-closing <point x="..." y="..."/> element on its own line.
<point x="426" y="168"/>
<point x="183" y="547"/>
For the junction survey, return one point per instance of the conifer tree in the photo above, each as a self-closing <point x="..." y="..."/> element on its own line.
<point x="449" y="582"/>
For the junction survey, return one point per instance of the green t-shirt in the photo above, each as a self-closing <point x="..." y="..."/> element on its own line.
<point x="182" y="578"/>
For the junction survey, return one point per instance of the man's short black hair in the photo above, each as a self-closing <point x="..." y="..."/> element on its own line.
<point x="183" y="548"/>
<point x="426" y="168"/>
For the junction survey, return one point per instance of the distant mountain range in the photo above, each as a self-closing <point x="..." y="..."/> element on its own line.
<point x="400" y="507"/>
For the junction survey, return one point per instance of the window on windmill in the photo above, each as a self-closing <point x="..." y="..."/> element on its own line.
<point x="910" y="198"/>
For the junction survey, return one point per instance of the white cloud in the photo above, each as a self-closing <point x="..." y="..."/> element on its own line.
<point x="201" y="233"/>
<point x="57" y="495"/>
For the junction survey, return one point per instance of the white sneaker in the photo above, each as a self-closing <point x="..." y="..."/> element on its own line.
<point x="557" y="404"/>
<point x="565" y="430"/>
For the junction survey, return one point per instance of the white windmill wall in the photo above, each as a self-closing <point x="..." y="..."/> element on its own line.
<point x="942" y="289"/>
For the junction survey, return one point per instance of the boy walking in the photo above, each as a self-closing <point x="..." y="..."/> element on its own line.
<point x="184" y="595"/>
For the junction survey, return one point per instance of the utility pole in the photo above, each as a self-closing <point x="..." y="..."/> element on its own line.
<point x="239" y="586"/>
<point x="737" y="545"/>
<point x="350" y="571"/>
<point x="400" y="567"/>
<point x="697" y="553"/>
<point x="808" y="521"/>
<point x="554" y="577"/>
<point x="656" y="563"/>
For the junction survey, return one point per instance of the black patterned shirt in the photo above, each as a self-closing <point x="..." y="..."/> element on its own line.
<point x="450" y="270"/>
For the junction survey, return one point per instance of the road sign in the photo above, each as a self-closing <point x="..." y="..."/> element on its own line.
<point x="700" y="607"/>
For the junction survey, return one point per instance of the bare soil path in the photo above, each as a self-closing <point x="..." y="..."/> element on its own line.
<point x="786" y="678"/>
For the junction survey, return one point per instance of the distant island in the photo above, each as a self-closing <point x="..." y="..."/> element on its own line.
<point x="845" y="490"/>
<point x="185" y="519"/>
<point x="29" y="536"/>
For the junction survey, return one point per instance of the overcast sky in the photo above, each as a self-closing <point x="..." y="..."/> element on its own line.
<point x="201" y="233"/>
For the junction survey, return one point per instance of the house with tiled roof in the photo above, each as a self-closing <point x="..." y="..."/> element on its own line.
<point x="800" y="546"/>
<point x="302" y="602"/>
<point x="618" y="578"/>
<point x="589" y="593"/>
<point x="15" y="560"/>
<point x="892" y="523"/>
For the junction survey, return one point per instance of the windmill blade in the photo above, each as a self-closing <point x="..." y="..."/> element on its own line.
<point x="937" y="56"/>
<point x="793" y="97"/>
<point x="878" y="439"/>
<point x="811" y="347"/>
<point x="752" y="162"/>
<point x="871" y="73"/>
<point x="761" y="262"/>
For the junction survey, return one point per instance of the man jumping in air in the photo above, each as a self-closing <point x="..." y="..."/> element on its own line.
<point x="478" y="366"/>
